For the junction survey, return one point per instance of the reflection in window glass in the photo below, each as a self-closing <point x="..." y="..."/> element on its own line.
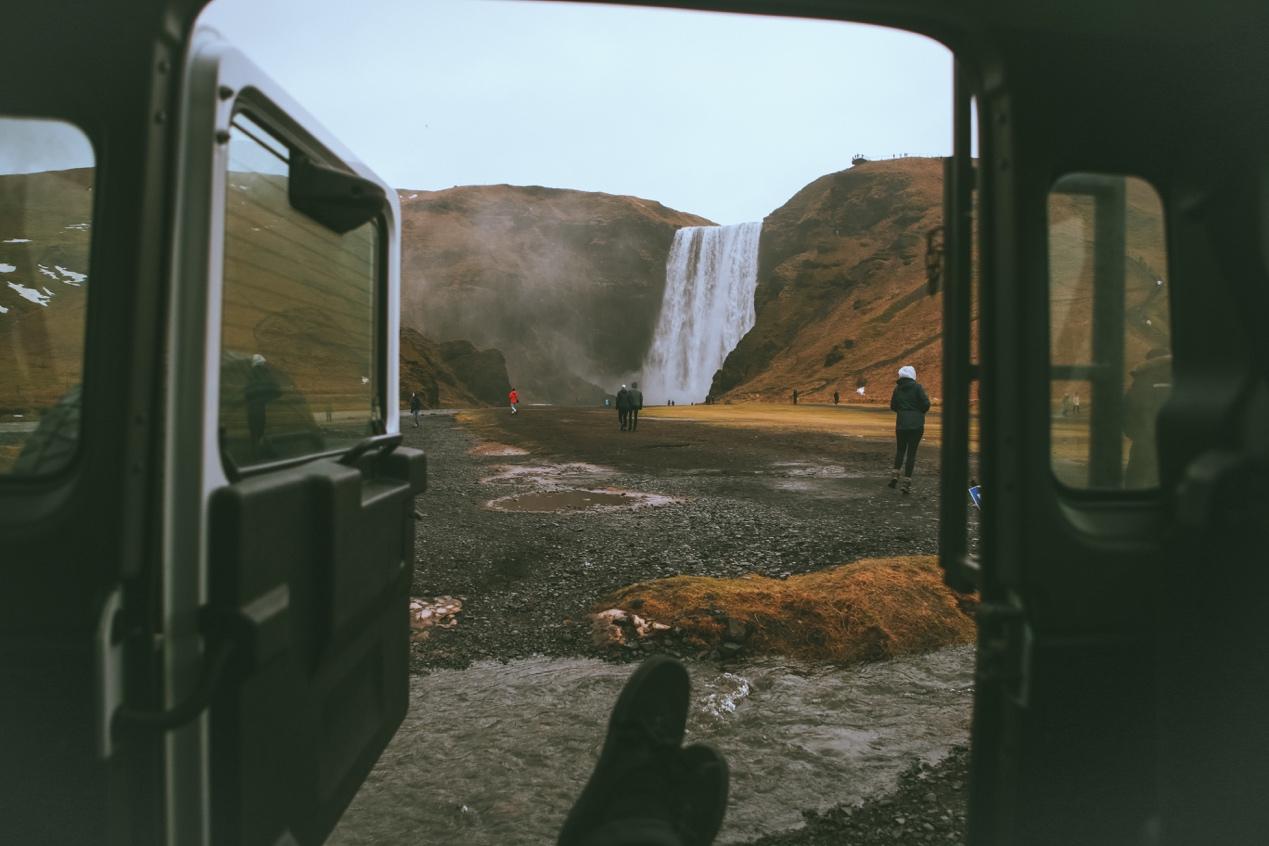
<point x="298" y="323"/>
<point x="1109" y="329"/>
<point x="46" y="202"/>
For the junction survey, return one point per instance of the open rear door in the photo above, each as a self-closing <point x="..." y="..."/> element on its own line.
<point x="290" y="544"/>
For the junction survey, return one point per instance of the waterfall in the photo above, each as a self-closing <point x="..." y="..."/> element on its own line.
<point x="710" y="278"/>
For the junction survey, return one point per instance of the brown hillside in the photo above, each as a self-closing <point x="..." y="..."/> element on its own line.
<point x="451" y="374"/>
<point x="44" y="238"/>
<point x="841" y="299"/>
<point x="568" y="284"/>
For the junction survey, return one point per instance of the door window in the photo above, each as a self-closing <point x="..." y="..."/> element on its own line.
<point x="46" y="203"/>
<point x="298" y="327"/>
<point x="1110" y="341"/>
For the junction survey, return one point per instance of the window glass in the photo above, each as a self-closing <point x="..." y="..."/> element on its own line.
<point x="1109" y="330"/>
<point x="46" y="202"/>
<point x="297" y="370"/>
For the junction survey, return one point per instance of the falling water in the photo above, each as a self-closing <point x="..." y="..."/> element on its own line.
<point x="710" y="278"/>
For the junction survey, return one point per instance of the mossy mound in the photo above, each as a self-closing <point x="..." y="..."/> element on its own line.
<point x="868" y="610"/>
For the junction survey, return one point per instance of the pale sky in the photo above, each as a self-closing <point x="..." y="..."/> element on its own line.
<point x="725" y="116"/>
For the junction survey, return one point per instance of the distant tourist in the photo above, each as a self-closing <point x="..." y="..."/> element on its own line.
<point x="910" y="403"/>
<point x="416" y="405"/>
<point x="514" y="398"/>
<point x="636" y="405"/>
<point x="1075" y="404"/>
<point x="795" y="396"/>
<point x="1066" y="405"/>
<point x="623" y="407"/>
<point x="836" y="397"/>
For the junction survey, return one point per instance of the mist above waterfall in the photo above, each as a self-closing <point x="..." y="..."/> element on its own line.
<point x="708" y="307"/>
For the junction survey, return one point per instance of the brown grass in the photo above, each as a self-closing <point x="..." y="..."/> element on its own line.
<point x="858" y="420"/>
<point x="865" y="611"/>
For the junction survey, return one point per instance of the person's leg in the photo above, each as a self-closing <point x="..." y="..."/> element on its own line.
<point x="645" y="790"/>
<point x="913" y="439"/>
<point x="634" y="419"/>
<point x="898" y="458"/>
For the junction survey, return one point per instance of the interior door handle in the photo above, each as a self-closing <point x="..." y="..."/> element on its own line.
<point x="1221" y="487"/>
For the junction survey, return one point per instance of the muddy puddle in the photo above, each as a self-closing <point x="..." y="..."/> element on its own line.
<point x="546" y="502"/>
<point x="562" y="488"/>
<point x="495" y="754"/>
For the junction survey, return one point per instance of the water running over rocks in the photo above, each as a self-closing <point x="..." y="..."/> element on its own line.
<point x="708" y="307"/>
<point x="496" y="753"/>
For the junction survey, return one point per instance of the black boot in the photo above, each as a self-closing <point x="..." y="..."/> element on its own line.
<point x="645" y="789"/>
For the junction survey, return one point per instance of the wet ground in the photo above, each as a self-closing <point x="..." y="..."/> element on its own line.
<point x="672" y="498"/>
<point x="495" y="754"/>
<point x="529" y="520"/>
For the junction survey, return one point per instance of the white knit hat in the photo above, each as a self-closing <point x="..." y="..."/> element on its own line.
<point x="909" y="371"/>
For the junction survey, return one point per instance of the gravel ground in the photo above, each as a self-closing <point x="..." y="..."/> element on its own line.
<point x="771" y="502"/>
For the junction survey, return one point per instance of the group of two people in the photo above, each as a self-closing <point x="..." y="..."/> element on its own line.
<point x="629" y="404"/>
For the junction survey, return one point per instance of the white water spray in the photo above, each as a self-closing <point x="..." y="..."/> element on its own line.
<point x="710" y="279"/>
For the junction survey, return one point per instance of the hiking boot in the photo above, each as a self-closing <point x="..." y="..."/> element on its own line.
<point x="645" y="789"/>
<point x="894" y="480"/>
<point x="907" y="486"/>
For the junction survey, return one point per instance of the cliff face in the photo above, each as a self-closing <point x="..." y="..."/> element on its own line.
<point x="841" y="299"/>
<point x="568" y="284"/>
<point x="451" y="374"/>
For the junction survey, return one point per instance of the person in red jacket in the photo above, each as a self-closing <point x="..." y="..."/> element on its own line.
<point x="515" y="400"/>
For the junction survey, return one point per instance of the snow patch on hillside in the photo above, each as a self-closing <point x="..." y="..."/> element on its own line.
<point x="72" y="277"/>
<point x="30" y="294"/>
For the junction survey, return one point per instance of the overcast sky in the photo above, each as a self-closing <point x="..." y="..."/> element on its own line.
<point x="723" y="116"/>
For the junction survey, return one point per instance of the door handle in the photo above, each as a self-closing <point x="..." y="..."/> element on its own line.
<point x="1222" y="487"/>
<point x="379" y="444"/>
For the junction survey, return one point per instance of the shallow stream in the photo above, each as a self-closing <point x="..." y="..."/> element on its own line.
<point x="496" y="753"/>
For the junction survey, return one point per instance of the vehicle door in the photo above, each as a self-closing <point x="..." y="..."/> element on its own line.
<point x="290" y="532"/>
<point x="1120" y="675"/>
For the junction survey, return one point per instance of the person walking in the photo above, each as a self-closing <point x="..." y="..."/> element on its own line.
<point x="836" y="397"/>
<point x="910" y="403"/>
<point x="261" y="389"/>
<point x="1075" y="405"/>
<point x="636" y="405"/>
<point x="795" y="396"/>
<point x="514" y="399"/>
<point x="416" y="405"/>
<point x="623" y="407"/>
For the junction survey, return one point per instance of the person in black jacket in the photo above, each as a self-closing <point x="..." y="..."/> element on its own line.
<point x="910" y="403"/>
<point x="623" y="407"/>
<point x="636" y="405"/>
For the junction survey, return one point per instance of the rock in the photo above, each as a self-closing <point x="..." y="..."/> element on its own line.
<point x="730" y="650"/>
<point x="567" y="283"/>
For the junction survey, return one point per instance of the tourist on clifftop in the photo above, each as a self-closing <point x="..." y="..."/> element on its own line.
<point x="910" y="403"/>
<point x="514" y="399"/>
